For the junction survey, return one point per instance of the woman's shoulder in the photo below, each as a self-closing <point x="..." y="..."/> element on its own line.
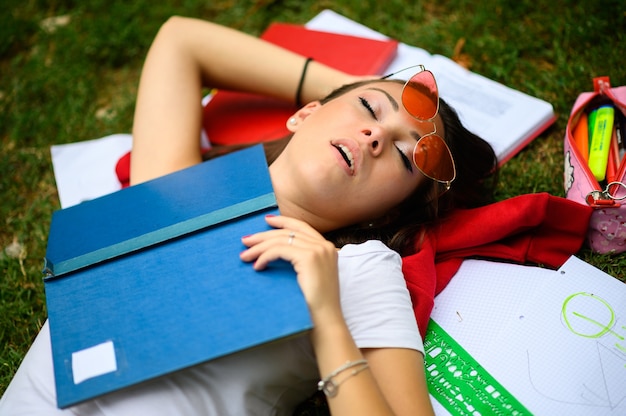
<point x="374" y="299"/>
<point x="368" y="248"/>
<point x="370" y="260"/>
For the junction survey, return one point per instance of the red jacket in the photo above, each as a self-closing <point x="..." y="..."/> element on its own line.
<point x="535" y="228"/>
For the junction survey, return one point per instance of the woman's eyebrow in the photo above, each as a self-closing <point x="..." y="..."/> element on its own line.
<point x="396" y="107"/>
<point x="392" y="100"/>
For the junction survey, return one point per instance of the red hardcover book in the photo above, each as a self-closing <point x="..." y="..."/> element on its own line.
<point x="233" y="117"/>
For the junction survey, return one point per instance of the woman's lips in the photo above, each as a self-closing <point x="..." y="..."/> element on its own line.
<point x="347" y="153"/>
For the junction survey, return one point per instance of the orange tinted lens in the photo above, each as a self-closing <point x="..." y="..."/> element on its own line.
<point x="420" y="96"/>
<point x="433" y="158"/>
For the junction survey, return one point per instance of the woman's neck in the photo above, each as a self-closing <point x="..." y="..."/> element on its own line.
<point x="292" y="201"/>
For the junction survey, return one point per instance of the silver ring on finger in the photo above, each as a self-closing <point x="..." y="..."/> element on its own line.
<point x="292" y="235"/>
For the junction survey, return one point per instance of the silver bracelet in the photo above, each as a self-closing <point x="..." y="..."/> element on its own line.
<point x="330" y="387"/>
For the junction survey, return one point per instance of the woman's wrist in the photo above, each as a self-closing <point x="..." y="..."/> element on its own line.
<point x="300" y="87"/>
<point x="330" y="385"/>
<point x="328" y="327"/>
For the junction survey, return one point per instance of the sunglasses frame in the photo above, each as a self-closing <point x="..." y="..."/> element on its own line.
<point x="422" y="68"/>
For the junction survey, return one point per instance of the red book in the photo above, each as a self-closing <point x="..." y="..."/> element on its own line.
<point x="233" y="118"/>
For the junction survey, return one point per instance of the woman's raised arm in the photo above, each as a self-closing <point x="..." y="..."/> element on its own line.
<point x="188" y="54"/>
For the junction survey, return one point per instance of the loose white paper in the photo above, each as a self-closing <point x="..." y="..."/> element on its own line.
<point x="93" y="362"/>
<point x="568" y="353"/>
<point x="556" y="340"/>
<point x="86" y="170"/>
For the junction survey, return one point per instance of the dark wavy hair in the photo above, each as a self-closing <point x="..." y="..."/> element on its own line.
<point x="403" y="227"/>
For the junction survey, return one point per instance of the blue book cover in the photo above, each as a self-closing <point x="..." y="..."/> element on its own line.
<point x="147" y="281"/>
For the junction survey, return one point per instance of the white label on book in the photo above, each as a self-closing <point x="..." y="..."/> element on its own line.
<point x="93" y="362"/>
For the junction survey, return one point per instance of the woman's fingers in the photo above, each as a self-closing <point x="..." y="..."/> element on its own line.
<point x="313" y="257"/>
<point x="289" y="229"/>
<point x="292" y="224"/>
<point x="271" y="245"/>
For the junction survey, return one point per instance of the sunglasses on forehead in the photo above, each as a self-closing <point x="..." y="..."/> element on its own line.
<point x="420" y="98"/>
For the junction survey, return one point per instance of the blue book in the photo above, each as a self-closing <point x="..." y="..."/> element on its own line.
<point x="147" y="280"/>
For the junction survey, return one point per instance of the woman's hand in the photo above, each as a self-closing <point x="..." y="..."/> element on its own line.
<point x="313" y="257"/>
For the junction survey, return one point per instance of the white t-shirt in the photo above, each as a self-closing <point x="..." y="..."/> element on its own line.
<point x="267" y="380"/>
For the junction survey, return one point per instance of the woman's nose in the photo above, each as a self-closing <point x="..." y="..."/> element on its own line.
<point x="373" y="138"/>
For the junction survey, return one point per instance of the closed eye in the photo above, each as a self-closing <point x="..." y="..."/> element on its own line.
<point x="368" y="107"/>
<point x="405" y="160"/>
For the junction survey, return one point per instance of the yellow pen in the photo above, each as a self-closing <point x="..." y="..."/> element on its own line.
<point x="602" y="130"/>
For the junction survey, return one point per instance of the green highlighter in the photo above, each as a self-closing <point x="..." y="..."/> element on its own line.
<point x="601" y="129"/>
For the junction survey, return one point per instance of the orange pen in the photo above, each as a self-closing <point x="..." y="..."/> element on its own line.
<point x="581" y="137"/>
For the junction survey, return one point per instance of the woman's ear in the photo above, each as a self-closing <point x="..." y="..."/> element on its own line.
<point x="294" y="121"/>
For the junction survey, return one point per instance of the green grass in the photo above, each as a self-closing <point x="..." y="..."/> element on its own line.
<point x="78" y="82"/>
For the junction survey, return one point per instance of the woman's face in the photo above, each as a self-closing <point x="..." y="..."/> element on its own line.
<point x="350" y="160"/>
